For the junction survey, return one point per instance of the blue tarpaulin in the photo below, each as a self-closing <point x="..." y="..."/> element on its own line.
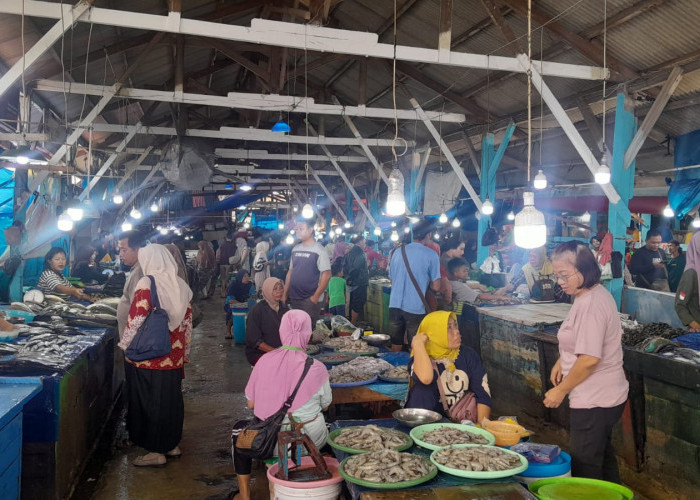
<point x="684" y="194"/>
<point x="234" y="201"/>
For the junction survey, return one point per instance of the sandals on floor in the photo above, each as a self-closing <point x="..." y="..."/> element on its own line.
<point x="174" y="453"/>
<point x="142" y="461"/>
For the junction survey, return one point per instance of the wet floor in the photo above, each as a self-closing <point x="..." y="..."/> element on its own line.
<point x="214" y="400"/>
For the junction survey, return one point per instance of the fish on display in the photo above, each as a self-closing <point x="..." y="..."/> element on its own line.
<point x="387" y="466"/>
<point x="445" y="436"/>
<point x="6" y="348"/>
<point x="477" y="458"/>
<point x="101" y="308"/>
<point x="21" y="306"/>
<point x="370" y="437"/>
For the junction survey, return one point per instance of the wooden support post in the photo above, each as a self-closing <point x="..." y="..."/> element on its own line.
<point x="654" y="113"/>
<point x="472" y="153"/>
<point x="491" y="160"/>
<point x="623" y="180"/>
<point x="445" y="36"/>
<point x="592" y="123"/>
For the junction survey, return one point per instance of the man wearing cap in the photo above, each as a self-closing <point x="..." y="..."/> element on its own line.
<point x="406" y="307"/>
<point x="357" y="277"/>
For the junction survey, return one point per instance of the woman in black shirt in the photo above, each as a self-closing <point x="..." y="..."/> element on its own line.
<point x="262" y="332"/>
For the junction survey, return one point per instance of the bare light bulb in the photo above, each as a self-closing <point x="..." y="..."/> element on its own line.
<point x="135" y="213"/>
<point x="407" y="230"/>
<point x="436" y="236"/>
<point x="307" y="212"/>
<point x="511" y="215"/>
<point x="602" y="175"/>
<point x="289" y="240"/>
<point x="696" y="221"/>
<point x="586" y="217"/>
<point x="64" y="223"/>
<point x="540" y="181"/>
<point x="163" y="231"/>
<point x="127" y="226"/>
<point x="154" y="207"/>
<point x="348" y="225"/>
<point x="668" y="211"/>
<point x="280" y="226"/>
<point x="75" y="213"/>
<point x="245" y="187"/>
<point x="377" y="231"/>
<point x="117" y="198"/>
<point x="443" y="218"/>
<point x="394" y="236"/>
<point x="456" y="222"/>
<point x="338" y="230"/>
<point x="487" y="207"/>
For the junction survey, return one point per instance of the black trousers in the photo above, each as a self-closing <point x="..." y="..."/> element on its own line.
<point x="156" y="410"/>
<point x="403" y="323"/>
<point x="592" y="452"/>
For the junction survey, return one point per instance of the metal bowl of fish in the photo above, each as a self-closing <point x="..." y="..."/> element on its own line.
<point x="376" y="339"/>
<point x="476" y="461"/>
<point x="358" y="348"/>
<point x="331" y="359"/>
<point x="413" y="417"/>
<point x="367" y="438"/>
<point x="335" y="342"/>
<point x="350" y="380"/>
<point x="440" y="435"/>
<point x="387" y="469"/>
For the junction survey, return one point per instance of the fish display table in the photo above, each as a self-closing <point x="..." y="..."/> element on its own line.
<point x="63" y="421"/>
<point x="380" y="397"/>
<point x="442" y="486"/>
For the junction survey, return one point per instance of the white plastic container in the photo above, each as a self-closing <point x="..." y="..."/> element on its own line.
<point x="328" y="489"/>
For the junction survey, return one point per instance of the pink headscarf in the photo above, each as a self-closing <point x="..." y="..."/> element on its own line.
<point x="277" y="372"/>
<point x="606" y="249"/>
<point x="692" y="256"/>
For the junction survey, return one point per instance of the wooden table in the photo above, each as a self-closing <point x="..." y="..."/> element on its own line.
<point x="529" y="314"/>
<point x="501" y="491"/>
<point x="379" y="403"/>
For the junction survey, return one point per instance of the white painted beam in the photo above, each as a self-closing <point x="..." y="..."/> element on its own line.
<point x="363" y="144"/>
<point x="654" y="113"/>
<point x="448" y="154"/>
<point x="347" y="182"/>
<point x="300" y="36"/>
<point x="243" y="134"/>
<point x="258" y="154"/>
<point x="134" y="167"/>
<point x="568" y="126"/>
<point x="108" y="163"/>
<point x="421" y="169"/>
<point x="260" y="102"/>
<point x="246" y="170"/>
<point x="329" y="195"/>
<point x="36" y="137"/>
<point x="44" y="43"/>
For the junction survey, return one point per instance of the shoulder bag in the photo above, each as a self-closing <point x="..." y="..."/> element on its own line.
<point x="259" y="438"/>
<point x="430" y="305"/>
<point x="152" y="340"/>
<point x="464" y="409"/>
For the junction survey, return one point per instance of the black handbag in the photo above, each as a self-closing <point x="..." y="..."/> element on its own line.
<point x="259" y="438"/>
<point x="152" y="340"/>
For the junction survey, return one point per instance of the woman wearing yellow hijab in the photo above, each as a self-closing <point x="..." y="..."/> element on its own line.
<point x="437" y="346"/>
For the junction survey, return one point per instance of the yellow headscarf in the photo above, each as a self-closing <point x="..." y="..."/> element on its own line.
<point x="434" y="325"/>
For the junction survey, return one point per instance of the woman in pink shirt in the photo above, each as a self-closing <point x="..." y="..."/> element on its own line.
<point x="589" y="369"/>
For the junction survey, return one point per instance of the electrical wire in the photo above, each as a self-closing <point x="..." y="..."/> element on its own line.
<point x="529" y="88"/>
<point x="605" y="60"/>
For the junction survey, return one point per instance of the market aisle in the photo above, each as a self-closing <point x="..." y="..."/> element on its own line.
<point x="213" y="391"/>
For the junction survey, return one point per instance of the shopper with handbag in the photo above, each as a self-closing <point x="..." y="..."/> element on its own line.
<point x="154" y="386"/>
<point x="446" y="377"/>
<point x="273" y="381"/>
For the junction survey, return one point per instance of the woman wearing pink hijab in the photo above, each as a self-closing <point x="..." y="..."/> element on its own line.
<point x="687" y="298"/>
<point x="273" y="380"/>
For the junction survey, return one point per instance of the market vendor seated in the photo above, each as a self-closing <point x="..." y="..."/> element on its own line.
<point x="262" y="331"/>
<point x="436" y="346"/>
<point x="52" y="280"/>
<point x="535" y="279"/>
<point x="458" y="271"/>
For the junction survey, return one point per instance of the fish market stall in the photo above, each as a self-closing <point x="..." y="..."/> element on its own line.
<point x="416" y="471"/>
<point x="62" y="423"/>
<point x="657" y="432"/>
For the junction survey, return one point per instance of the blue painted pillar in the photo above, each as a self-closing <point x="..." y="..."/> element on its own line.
<point x="490" y="161"/>
<point x="644" y="229"/>
<point x="623" y="182"/>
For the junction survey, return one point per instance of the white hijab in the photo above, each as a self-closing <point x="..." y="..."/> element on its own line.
<point x="173" y="293"/>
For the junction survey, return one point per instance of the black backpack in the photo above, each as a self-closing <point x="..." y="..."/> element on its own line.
<point x="616" y="264"/>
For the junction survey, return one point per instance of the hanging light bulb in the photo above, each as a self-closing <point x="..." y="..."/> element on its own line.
<point x="245" y="187"/>
<point x="289" y="240"/>
<point x="436" y="236"/>
<point x="407" y="230"/>
<point x="127" y="226"/>
<point x="347" y="225"/>
<point x="163" y="231"/>
<point x="487" y="207"/>
<point x="246" y="226"/>
<point x="154" y="207"/>
<point x="530" y="230"/>
<point x="338" y="230"/>
<point x="135" y="213"/>
<point x="280" y="226"/>
<point x="586" y="217"/>
<point x="377" y="231"/>
<point x="394" y="236"/>
<point x="117" y="198"/>
<point x="64" y="223"/>
<point x="443" y="218"/>
<point x="393" y="224"/>
<point x="511" y="215"/>
<point x="602" y="175"/>
<point x="540" y="180"/>
<point x="395" y="200"/>
<point x="696" y="221"/>
<point x="295" y="209"/>
<point x="75" y="213"/>
<point x="456" y="222"/>
<point x="668" y="211"/>
<point x="178" y="232"/>
<point x="307" y="212"/>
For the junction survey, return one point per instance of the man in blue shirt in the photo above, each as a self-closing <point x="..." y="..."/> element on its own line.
<point x="406" y="309"/>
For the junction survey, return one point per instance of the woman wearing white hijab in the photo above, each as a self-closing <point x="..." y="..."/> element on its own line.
<point x="155" y="406"/>
<point x="261" y="265"/>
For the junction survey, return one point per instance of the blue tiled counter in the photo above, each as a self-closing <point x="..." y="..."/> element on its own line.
<point x="14" y="394"/>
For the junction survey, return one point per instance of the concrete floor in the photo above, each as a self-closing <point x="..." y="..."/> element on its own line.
<point x="214" y="400"/>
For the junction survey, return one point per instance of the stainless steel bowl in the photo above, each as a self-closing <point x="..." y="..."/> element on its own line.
<point x="413" y="417"/>
<point x="376" y="339"/>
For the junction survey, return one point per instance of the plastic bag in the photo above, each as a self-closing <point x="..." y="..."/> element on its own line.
<point x="535" y="452"/>
<point x="341" y="326"/>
